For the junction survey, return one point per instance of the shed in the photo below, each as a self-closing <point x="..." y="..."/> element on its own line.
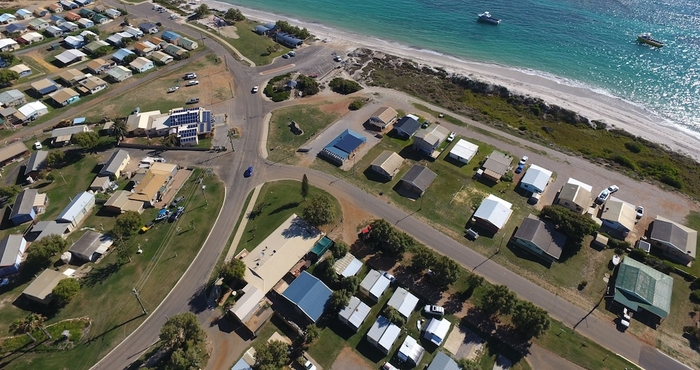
<point x="536" y="179"/>
<point x="309" y="295"/>
<point x="65" y="96"/>
<point x="676" y="241"/>
<point x="493" y="213"/>
<point x="403" y="301"/>
<point x="77" y="209"/>
<point x="347" y="266"/>
<point x="354" y="314"/>
<point x="343" y="147"/>
<point x="374" y="285"/>
<point x="418" y="179"/>
<point x="24" y="209"/>
<point x="100" y="184"/>
<point x="641" y="288"/>
<point x="539" y="238"/>
<point x="322" y="245"/>
<point x="441" y="361"/>
<point x="12" y="248"/>
<point x="382" y="117"/>
<point x="383" y="334"/>
<point x="90" y="246"/>
<point x="36" y="163"/>
<point x="463" y="151"/>
<point x="407" y="126"/>
<point x="41" y="288"/>
<point x="410" y="351"/>
<point x="115" y="164"/>
<point x="70" y="56"/>
<point x="12" y="151"/>
<point x="575" y="195"/>
<point x="12" y="98"/>
<point x="387" y="164"/>
<point x="496" y="165"/>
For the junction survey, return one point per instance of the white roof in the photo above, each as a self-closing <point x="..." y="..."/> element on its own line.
<point x="75" y="207"/>
<point x="403" y="301"/>
<point x="375" y="283"/>
<point x="436" y="331"/>
<point x="69" y="55"/>
<point x="464" y="149"/>
<point x="355" y="312"/>
<point x="411" y="349"/>
<point x="495" y="210"/>
<point x="579" y="183"/>
<point x="537" y="176"/>
<point x="7" y="42"/>
<point x="248" y="303"/>
<point x="30" y="108"/>
<point x="384" y="333"/>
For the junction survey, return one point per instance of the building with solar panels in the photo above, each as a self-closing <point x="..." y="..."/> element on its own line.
<point x="187" y="123"/>
<point x="343" y="147"/>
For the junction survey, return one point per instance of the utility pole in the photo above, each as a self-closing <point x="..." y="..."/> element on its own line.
<point x="204" y="194"/>
<point x="138" y="298"/>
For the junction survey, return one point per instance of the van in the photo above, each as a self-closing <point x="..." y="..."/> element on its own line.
<point x="472" y="234"/>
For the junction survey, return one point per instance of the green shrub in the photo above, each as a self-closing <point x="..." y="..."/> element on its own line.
<point x="638" y="255"/>
<point x="343" y="86"/>
<point x="633" y="146"/>
<point x="624" y="161"/>
<point x="356" y="105"/>
<point x="695" y="296"/>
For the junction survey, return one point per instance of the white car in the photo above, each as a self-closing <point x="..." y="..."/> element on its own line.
<point x="640" y="212"/>
<point x="388" y="366"/>
<point x="603" y="196"/>
<point x="434" y="310"/>
<point x="523" y="160"/>
<point x="309" y="366"/>
<point x="451" y="137"/>
<point x="255" y="89"/>
<point x="38" y="145"/>
<point x="193" y="83"/>
<point x="613" y="188"/>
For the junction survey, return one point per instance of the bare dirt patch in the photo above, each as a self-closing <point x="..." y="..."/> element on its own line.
<point x="38" y="57"/>
<point x="349" y="360"/>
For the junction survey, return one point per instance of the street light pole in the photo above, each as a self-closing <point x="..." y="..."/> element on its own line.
<point x="138" y="298"/>
<point x="204" y="194"/>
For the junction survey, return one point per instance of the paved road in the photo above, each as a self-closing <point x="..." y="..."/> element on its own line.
<point x="247" y="111"/>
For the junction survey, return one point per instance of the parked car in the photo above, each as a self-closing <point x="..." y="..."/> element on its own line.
<point x="613" y="188"/>
<point x="177" y="201"/>
<point x="388" y="276"/>
<point x="451" y="137"/>
<point x="388" y="366"/>
<point x="248" y="172"/>
<point x="337" y="58"/>
<point x="425" y="124"/>
<point x="193" y="83"/>
<point x="523" y="160"/>
<point x="520" y="167"/>
<point x="292" y="54"/>
<point x="255" y="89"/>
<point x="192" y="101"/>
<point x="159" y="24"/>
<point x="603" y="196"/>
<point x="173" y="89"/>
<point x="162" y="215"/>
<point x="190" y="76"/>
<point x="176" y="215"/>
<point x="472" y="234"/>
<point x="159" y="160"/>
<point x="4" y="281"/>
<point x="38" y="145"/>
<point x="309" y="366"/>
<point x="137" y="110"/>
<point x="640" y="212"/>
<point x="434" y="310"/>
<point x="148" y="226"/>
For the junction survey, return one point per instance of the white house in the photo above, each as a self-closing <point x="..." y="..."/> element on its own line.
<point x="463" y="151"/>
<point x="374" y="285"/>
<point x="493" y="213"/>
<point x="77" y="209"/>
<point x="383" y="334"/>
<point x="575" y="195"/>
<point x="403" y="301"/>
<point x="410" y="351"/>
<point x="536" y="179"/>
<point x="436" y="330"/>
<point x="113" y="13"/>
<point x="354" y="314"/>
<point x="141" y="64"/>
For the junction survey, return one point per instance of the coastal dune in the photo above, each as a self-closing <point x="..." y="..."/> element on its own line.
<point x="586" y="102"/>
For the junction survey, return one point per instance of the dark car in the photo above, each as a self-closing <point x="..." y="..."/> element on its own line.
<point x="177" y="201"/>
<point x="159" y="24"/>
<point x="180" y="210"/>
<point x="519" y="169"/>
<point x="248" y="172"/>
<point x="192" y="100"/>
<point x="190" y="76"/>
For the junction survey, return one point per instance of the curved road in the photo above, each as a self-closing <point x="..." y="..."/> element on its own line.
<point x="248" y="111"/>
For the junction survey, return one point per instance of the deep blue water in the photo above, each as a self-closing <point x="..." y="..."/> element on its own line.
<point x="586" y="42"/>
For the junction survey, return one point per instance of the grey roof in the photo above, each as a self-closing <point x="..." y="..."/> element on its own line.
<point x="24" y="203"/>
<point x="115" y="161"/>
<point x="87" y="245"/>
<point x="443" y="362"/>
<point x="9" y="249"/>
<point x="43" y="285"/>
<point x="355" y="312"/>
<point x="71" y="130"/>
<point x="419" y="176"/>
<point x="408" y="125"/>
<point x="36" y="161"/>
<point x="542" y="235"/>
<point x="498" y="162"/>
<point x="48" y="228"/>
<point x="10" y="95"/>
<point x="669" y="232"/>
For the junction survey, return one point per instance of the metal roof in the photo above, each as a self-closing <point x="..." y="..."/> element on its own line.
<point x="498" y="163"/>
<point x="638" y="285"/>
<point x="43" y="285"/>
<point x="10" y="249"/>
<point x="347" y="266"/>
<point x="76" y="206"/>
<point x="541" y="234"/>
<point x="384" y="333"/>
<point x="679" y="236"/>
<point x="411" y="351"/>
<point x="464" y="149"/>
<point x="70" y="55"/>
<point x="389" y="162"/>
<point x="537" y="177"/>
<point x="408" y="125"/>
<point x="115" y="162"/>
<point x="375" y="283"/>
<point x="420" y="177"/>
<point x="443" y="362"/>
<point x="90" y="243"/>
<point x="10" y="95"/>
<point x="403" y="301"/>
<point x="355" y="312"/>
<point x="121" y="54"/>
<point x="12" y="150"/>
<point x="309" y="294"/>
<point x="36" y="161"/>
<point x="494" y="210"/>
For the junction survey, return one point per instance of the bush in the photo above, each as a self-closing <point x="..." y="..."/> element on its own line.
<point x="638" y="255"/>
<point x="624" y="162"/>
<point x="357" y="104"/>
<point x="633" y="146"/>
<point x="618" y="244"/>
<point x="343" y="86"/>
<point x="695" y="296"/>
<point x="307" y="85"/>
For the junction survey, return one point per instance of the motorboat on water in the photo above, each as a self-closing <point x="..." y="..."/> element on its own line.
<point x="647" y="39"/>
<point x="487" y="18"/>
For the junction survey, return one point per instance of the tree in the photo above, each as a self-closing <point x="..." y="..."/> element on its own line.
<point x="311" y="334"/>
<point x="468" y="364"/>
<point x="186" y="358"/>
<point x="386" y="239"/>
<point x="423" y="259"/>
<point x="201" y="11"/>
<point x="232" y="271"/>
<point x="28" y="324"/>
<point x="41" y="252"/>
<point x="304" y="187"/>
<point x="529" y="319"/>
<point x="169" y="141"/>
<point x="271" y="355"/>
<point x="234" y="15"/>
<point x="325" y="271"/>
<point x="350" y="283"/>
<point x="339" y="249"/>
<point x="320" y="211"/>
<point x="8" y="57"/>
<point x="127" y="224"/>
<point x="119" y="130"/>
<point x="307" y="85"/>
<point x="343" y="86"/>
<point x="86" y="140"/>
<point x="394" y="316"/>
<point x="55" y="158"/>
<point x="497" y="299"/>
<point x="102" y="51"/>
<point x="65" y="291"/>
<point x="446" y="271"/>
<point x="129" y="58"/>
<point x="9" y="191"/>
<point x="7" y="76"/>
<point x="573" y="225"/>
<point x="180" y="329"/>
<point x="339" y="299"/>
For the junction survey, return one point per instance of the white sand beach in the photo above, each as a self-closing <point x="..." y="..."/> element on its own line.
<point x="586" y="102"/>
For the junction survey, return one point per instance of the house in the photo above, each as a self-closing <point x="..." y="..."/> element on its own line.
<point x="387" y="164"/>
<point x="119" y="73"/>
<point x="36" y="163"/>
<point x="100" y="19"/>
<point x="69" y="27"/>
<point x="10" y="152"/>
<point x="12" y="248"/>
<point x="441" y="361"/>
<point x="30" y="38"/>
<point x="53" y="31"/>
<point x="28" y="205"/>
<point x="92" y="85"/>
<point x="45" y="86"/>
<point x="493" y="213"/>
<point x="495" y="166"/>
<point x="436" y="330"/>
<point x="347" y="266"/>
<point x="143" y="49"/>
<point x="70" y="56"/>
<point x="100" y="184"/>
<point x="7" y="18"/>
<point x="175" y="51"/>
<point x="250" y="309"/>
<point x="187" y="123"/>
<point x="427" y="140"/>
<point x="266" y="29"/>
<point x="150" y="189"/>
<point x="22" y="70"/>
<point x="309" y="295"/>
<point x="85" y="23"/>
<point x="62" y="135"/>
<point x="161" y="57"/>
<point x="41" y="288"/>
<point x="43" y="229"/>
<point x="641" y="288"/>
<point x="38" y="24"/>
<point x="90" y="246"/>
<point x="418" y="179"/>
<point x="65" y="96"/>
<point x="374" y="285"/>
<point x="157" y="41"/>
<point x="24" y="14"/>
<point x="119" y="202"/>
<point x="619" y="216"/>
<point x="71" y="76"/>
<point x="187" y="44"/>
<point x="93" y="46"/>
<point x="536" y="179"/>
<point x="54" y="8"/>
<point x="288" y="40"/>
<point x="8" y="116"/>
<point x="31" y="111"/>
<point x="383" y="334"/>
<point x="382" y="118"/>
<point x="38" y="11"/>
<point x="148" y="27"/>
<point x="86" y="13"/>
<point x="8" y="45"/>
<point x="540" y="239"/>
<point x="99" y="66"/>
<point x="463" y="151"/>
<point x="170" y="36"/>
<point x="15" y="29"/>
<point x="115" y="164"/>
<point x="68" y="5"/>
<point x="77" y="209"/>
<point x="116" y="39"/>
<point x="676" y="241"/>
<point x="343" y="147"/>
<point x="575" y="195"/>
<point x="134" y="32"/>
<point x="12" y="98"/>
<point x="71" y="16"/>
<point x="112" y="13"/>
<point x="83" y="2"/>
<point x="141" y="64"/>
<point x="410" y="351"/>
<point x="403" y="301"/>
<point x="121" y="55"/>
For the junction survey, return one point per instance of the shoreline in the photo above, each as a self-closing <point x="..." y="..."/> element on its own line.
<point x="585" y="101"/>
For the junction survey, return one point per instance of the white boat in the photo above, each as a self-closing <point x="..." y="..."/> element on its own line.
<point x="616" y="260"/>
<point x="647" y="39"/>
<point x="487" y="18"/>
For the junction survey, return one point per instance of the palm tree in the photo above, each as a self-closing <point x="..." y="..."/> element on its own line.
<point x="119" y="129"/>
<point x="28" y="324"/>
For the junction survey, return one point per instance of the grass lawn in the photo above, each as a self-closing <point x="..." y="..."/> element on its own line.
<point x="282" y="143"/>
<point x="252" y="45"/>
<point x="281" y="199"/>
<point x="106" y="296"/>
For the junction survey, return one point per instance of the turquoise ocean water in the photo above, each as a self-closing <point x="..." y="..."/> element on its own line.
<point x="588" y="43"/>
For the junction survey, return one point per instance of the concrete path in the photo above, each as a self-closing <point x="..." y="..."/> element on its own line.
<point x="244" y="222"/>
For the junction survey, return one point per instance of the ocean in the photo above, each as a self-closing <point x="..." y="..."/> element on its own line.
<point x="589" y="43"/>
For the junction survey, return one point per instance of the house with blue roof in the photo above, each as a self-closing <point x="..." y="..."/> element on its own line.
<point x="57" y="20"/>
<point x="24" y="14"/>
<point x="288" y="40"/>
<point x="15" y="28"/>
<point x="7" y="18"/>
<point x="343" y="147"/>
<point x="121" y="55"/>
<point x="309" y="295"/>
<point x="170" y="37"/>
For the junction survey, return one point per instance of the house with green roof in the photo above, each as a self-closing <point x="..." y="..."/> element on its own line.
<point x="643" y="289"/>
